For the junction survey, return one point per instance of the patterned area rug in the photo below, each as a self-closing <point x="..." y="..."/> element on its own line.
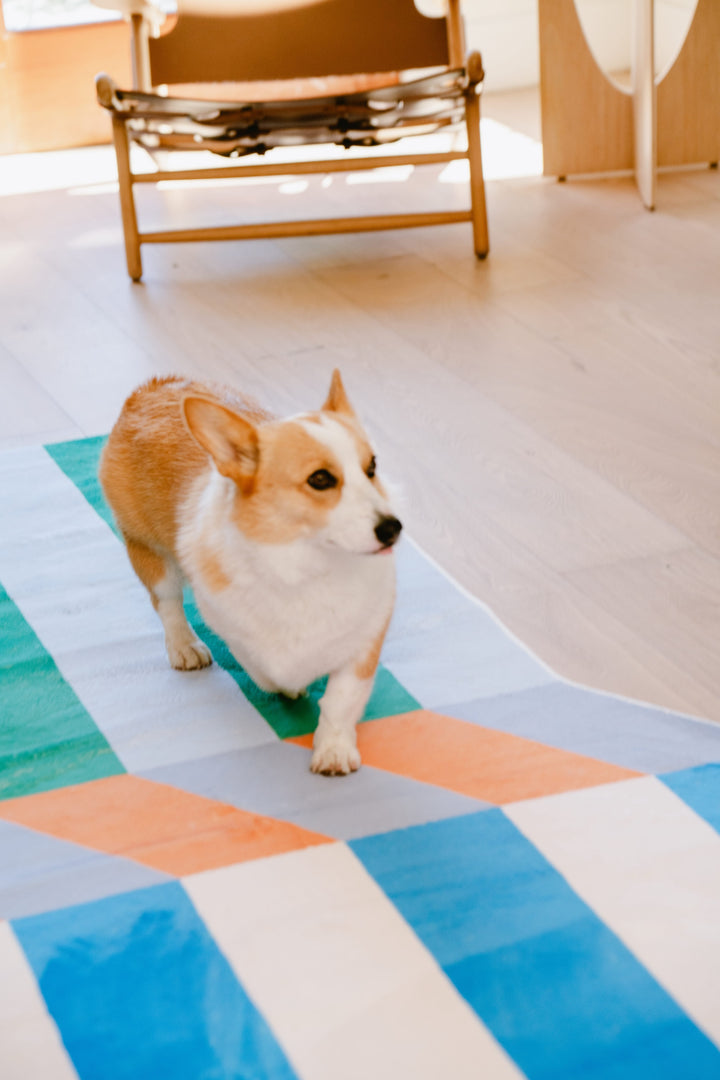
<point x="522" y="880"/>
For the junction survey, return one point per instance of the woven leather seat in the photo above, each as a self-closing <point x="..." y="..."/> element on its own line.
<point x="374" y="110"/>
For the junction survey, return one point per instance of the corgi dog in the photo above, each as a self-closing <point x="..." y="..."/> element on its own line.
<point x="282" y="528"/>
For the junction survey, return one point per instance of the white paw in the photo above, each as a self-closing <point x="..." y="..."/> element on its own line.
<point x="189" y="655"/>
<point x="335" y="758"/>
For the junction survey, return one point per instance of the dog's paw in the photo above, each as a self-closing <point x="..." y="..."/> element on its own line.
<point x="335" y="758"/>
<point x="189" y="655"/>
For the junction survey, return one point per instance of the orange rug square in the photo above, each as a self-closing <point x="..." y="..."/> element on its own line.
<point x="156" y="824"/>
<point x="472" y="760"/>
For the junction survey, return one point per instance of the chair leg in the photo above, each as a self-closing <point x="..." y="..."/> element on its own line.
<point x="477" y="182"/>
<point x="127" y="201"/>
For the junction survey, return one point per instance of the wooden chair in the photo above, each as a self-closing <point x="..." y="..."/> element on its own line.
<point x="255" y="75"/>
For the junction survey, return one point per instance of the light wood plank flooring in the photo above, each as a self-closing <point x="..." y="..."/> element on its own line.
<point x="552" y="416"/>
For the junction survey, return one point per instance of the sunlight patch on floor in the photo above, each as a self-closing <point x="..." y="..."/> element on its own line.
<point x="506" y="154"/>
<point x="397" y="175"/>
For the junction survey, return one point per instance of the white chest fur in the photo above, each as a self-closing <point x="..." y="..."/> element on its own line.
<point x="288" y="612"/>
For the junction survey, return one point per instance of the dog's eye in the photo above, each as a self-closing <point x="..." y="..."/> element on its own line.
<point x="321" y="480"/>
<point x="370" y="471"/>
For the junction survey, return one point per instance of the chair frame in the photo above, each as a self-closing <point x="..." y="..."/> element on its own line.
<point x="134" y="238"/>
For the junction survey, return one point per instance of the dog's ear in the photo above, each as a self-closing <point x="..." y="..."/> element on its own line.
<point x="337" y="399"/>
<point x="230" y="439"/>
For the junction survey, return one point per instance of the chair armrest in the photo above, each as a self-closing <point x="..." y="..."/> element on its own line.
<point x="105" y="91"/>
<point x="474" y="68"/>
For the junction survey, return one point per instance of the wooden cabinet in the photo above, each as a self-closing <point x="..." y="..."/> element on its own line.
<point x="590" y="124"/>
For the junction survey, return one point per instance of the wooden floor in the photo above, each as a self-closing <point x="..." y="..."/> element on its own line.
<point x="552" y="415"/>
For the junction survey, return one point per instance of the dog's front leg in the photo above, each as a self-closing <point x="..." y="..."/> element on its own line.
<point x="342" y="705"/>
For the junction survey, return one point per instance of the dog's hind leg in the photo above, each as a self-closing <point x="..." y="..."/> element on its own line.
<point x="162" y="578"/>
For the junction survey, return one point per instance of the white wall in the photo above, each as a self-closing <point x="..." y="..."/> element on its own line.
<point x="672" y="19"/>
<point x="506" y="33"/>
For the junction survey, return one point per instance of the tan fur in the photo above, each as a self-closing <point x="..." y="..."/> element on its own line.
<point x="337" y="400"/>
<point x="230" y="439"/>
<point x="366" y="668"/>
<point x="148" y="565"/>
<point x="354" y="429"/>
<point x="338" y="404"/>
<point x="150" y="461"/>
<point x="212" y="572"/>
<point x="283" y="507"/>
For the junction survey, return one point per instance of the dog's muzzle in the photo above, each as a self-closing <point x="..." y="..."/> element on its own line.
<point x="387" y="530"/>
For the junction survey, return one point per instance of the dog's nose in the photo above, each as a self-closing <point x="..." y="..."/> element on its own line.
<point x="387" y="530"/>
